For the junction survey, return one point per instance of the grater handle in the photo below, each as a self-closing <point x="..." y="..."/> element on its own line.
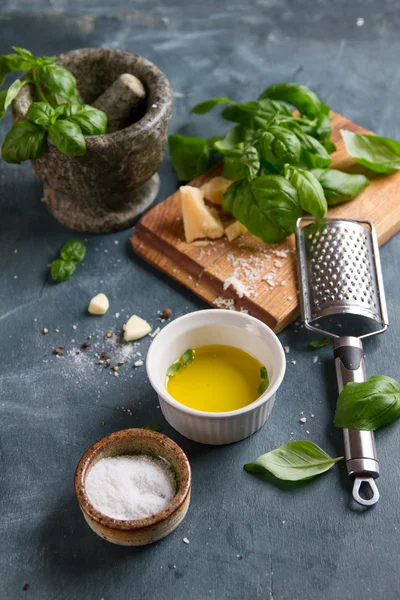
<point x="359" y="446"/>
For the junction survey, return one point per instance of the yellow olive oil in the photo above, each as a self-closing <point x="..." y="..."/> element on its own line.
<point x="218" y="379"/>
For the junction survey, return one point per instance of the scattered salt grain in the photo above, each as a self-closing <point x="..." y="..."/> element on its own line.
<point x="117" y="315"/>
<point x="15" y="251"/>
<point x="283" y="282"/>
<point x="15" y="276"/>
<point x="138" y="363"/>
<point x="302" y="419"/>
<point x="307" y="432"/>
<point x="315" y="359"/>
<point x="293" y="362"/>
<point x="130" y="487"/>
<point x="155" y="332"/>
<point x="116" y="242"/>
<point x="312" y="415"/>
<point x="74" y="326"/>
<point x="237" y="285"/>
<point x="186" y="540"/>
<point x="287" y="349"/>
<point x="289" y="298"/>
<point x="360" y="22"/>
<point x="105" y="251"/>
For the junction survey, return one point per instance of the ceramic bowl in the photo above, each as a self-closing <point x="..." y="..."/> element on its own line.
<point x="216" y="327"/>
<point x="140" y="531"/>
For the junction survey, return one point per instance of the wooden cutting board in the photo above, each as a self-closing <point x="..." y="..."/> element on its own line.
<point x="267" y="271"/>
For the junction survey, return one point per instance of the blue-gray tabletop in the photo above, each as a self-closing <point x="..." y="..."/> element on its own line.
<point x="248" y="538"/>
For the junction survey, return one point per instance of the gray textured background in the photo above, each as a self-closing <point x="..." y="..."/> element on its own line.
<point x="297" y="544"/>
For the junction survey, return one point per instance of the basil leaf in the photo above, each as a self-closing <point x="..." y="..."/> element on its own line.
<point x="212" y="141"/>
<point x="263" y="373"/>
<point x="152" y="427"/>
<point x="254" y="468"/>
<point x="41" y="113"/>
<point x="368" y="405"/>
<point x="339" y="186"/>
<point x="310" y="192"/>
<point x="57" y="79"/>
<point x="7" y="96"/>
<point x="173" y="369"/>
<point x="256" y="113"/>
<point x="380" y="154"/>
<point x="296" y="461"/>
<point x="12" y="62"/>
<point x="233" y="168"/>
<point x="235" y="136"/>
<point x="190" y="156"/>
<point x="187" y="357"/>
<point x="61" y="270"/>
<point x="262" y="387"/>
<point x="329" y="146"/>
<point x="67" y="137"/>
<point x="280" y="146"/>
<point x="320" y="343"/>
<point x="268" y="206"/>
<point x="205" y="107"/>
<point x="314" y="154"/>
<point x="24" y="141"/>
<point x="23" y="52"/>
<point x="91" y="120"/>
<point x="250" y="161"/>
<point x="73" y="251"/>
<point x="300" y="96"/>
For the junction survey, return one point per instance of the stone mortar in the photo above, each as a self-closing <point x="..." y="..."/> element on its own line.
<point x="116" y="180"/>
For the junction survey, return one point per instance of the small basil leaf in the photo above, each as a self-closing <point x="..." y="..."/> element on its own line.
<point x="190" y="156"/>
<point x="280" y="146"/>
<point x="187" y="357"/>
<point x="262" y="387"/>
<point x="339" y="186"/>
<point x="300" y="96"/>
<point x="296" y="461"/>
<point x="263" y="373"/>
<point x="368" y="405"/>
<point x="310" y="192"/>
<point x="73" y="251"/>
<point x="380" y="154"/>
<point x="12" y="62"/>
<point x="205" y="107"/>
<point x="57" y="79"/>
<point x="24" y="141"/>
<point x="173" y="369"/>
<point x="23" y="52"/>
<point x="7" y="96"/>
<point x="235" y="136"/>
<point x="256" y="113"/>
<point x="67" y="137"/>
<point x="314" y="154"/>
<point x="61" y="270"/>
<point x="152" y="427"/>
<point x="91" y="120"/>
<point x="233" y="168"/>
<point x="320" y="343"/>
<point x="250" y="161"/>
<point x="329" y="146"/>
<point x="212" y="141"/>
<point x="41" y="113"/>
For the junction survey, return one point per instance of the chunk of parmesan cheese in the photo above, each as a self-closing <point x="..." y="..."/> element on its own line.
<point x="234" y="230"/>
<point x="198" y="220"/>
<point x="135" y="328"/>
<point x="99" y="305"/>
<point x="214" y="189"/>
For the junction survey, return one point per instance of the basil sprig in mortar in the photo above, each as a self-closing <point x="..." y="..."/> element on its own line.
<point x="59" y="115"/>
<point x="279" y="160"/>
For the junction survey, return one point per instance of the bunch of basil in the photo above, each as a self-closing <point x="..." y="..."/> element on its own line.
<point x="59" y="115"/>
<point x="280" y="161"/>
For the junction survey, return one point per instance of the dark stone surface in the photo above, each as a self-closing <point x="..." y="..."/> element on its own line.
<point x="303" y="543"/>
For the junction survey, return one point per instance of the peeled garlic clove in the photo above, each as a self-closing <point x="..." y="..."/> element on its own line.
<point x="99" y="305"/>
<point x="135" y="328"/>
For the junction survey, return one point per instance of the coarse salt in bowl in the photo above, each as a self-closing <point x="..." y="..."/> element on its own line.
<point x="216" y="326"/>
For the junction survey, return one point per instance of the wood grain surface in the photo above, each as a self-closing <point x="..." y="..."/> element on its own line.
<point x="268" y="271"/>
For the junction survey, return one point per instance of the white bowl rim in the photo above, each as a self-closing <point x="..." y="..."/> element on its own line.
<point x="271" y="390"/>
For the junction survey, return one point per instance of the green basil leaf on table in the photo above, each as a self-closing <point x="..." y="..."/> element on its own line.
<point x="73" y="251"/>
<point x="379" y="154"/>
<point x="368" y="405"/>
<point x="339" y="186"/>
<point x="41" y="113"/>
<point x="280" y="146"/>
<point x="57" y="79"/>
<point x="91" y="120"/>
<point x="187" y="357"/>
<point x="207" y="105"/>
<point x="61" y="270"/>
<point x="7" y="96"/>
<point x="268" y="206"/>
<point x="311" y="195"/>
<point x="313" y="154"/>
<point x="190" y="156"/>
<point x="23" y="52"/>
<point x="329" y="146"/>
<point x="255" y="113"/>
<point x="24" y="141"/>
<point x="67" y="137"/>
<point x="320" y="343"/>
<point x="173" y="369"/>
<point x="300" y="96"/>
<point x="12" y="62"/>
<point x="294" y="461"/>
<point x="235" y="136"/>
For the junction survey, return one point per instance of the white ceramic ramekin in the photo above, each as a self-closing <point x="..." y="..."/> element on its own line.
<point x="216" y="326"/>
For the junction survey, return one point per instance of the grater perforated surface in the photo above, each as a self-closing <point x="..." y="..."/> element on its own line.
<point x="340" y="269"/>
